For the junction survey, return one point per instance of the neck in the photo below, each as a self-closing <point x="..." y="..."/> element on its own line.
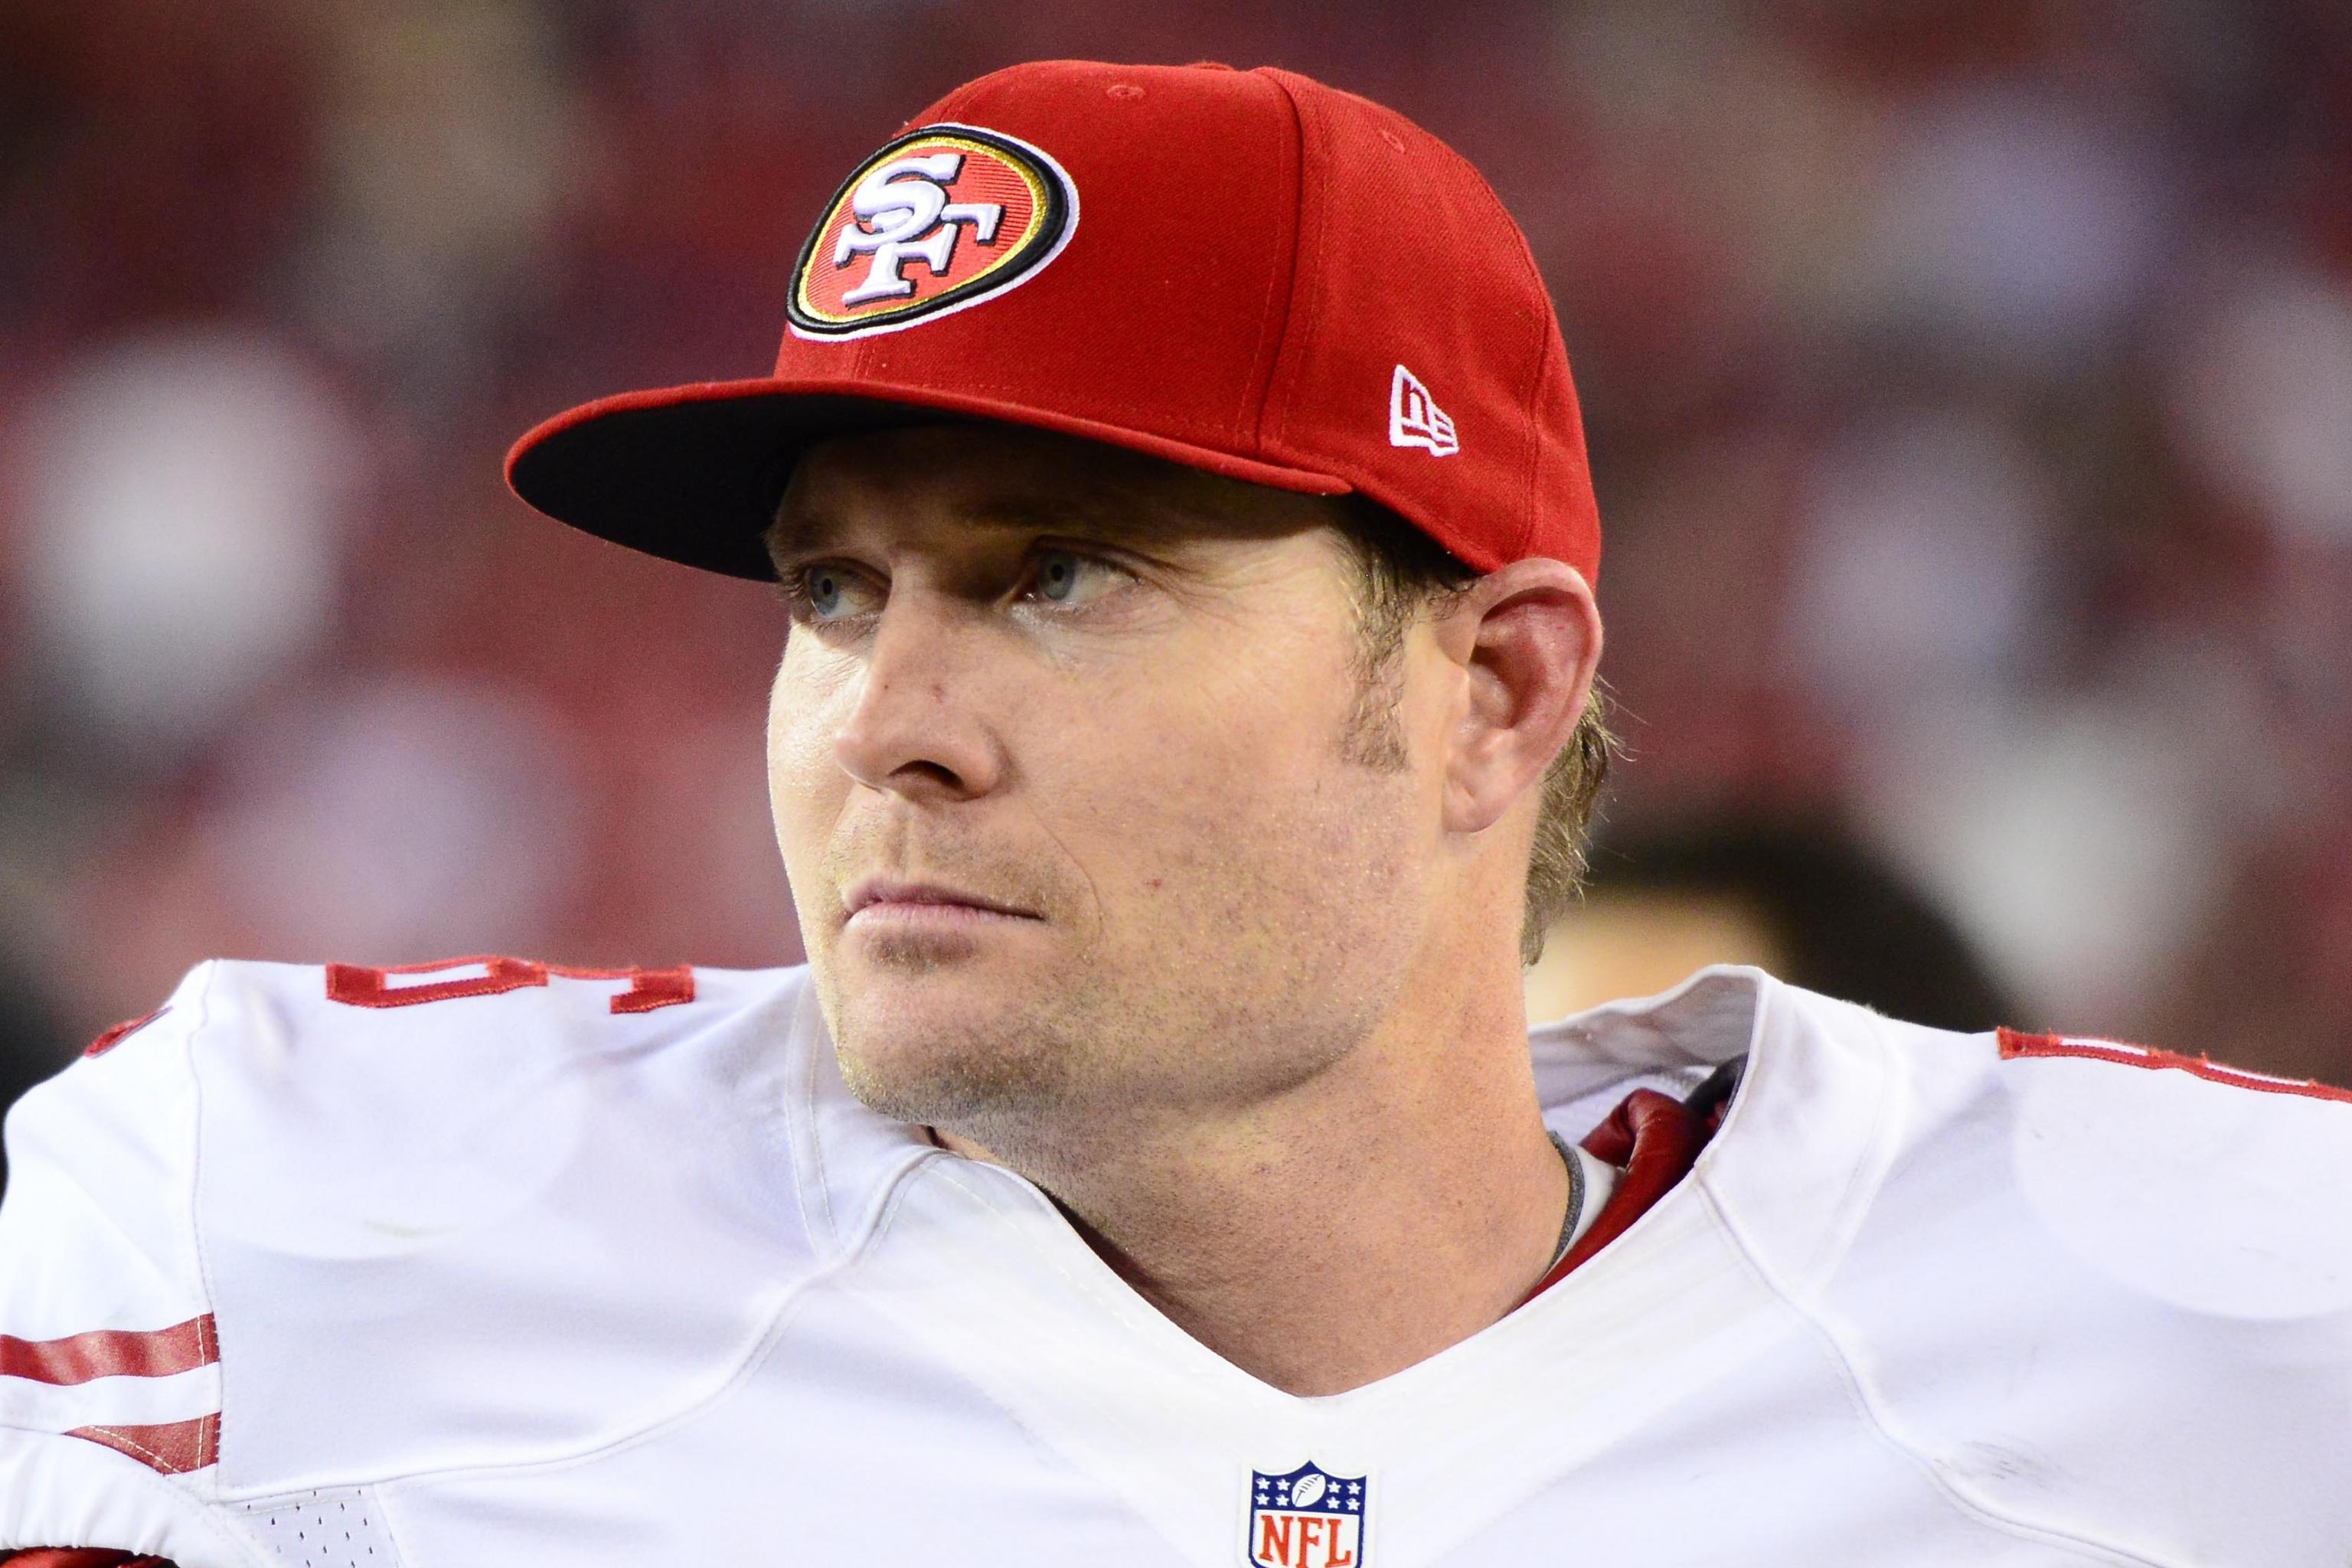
<point x="1392" y="1207"/>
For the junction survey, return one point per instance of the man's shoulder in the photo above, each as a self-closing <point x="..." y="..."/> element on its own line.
<point x="320" y="1007"/>
<point x="501" y="1208"/>
<point x="2160" y="1168"/>
<point x="2207" y="1189"/>
<point x="2082" y="1281"/>
<point x="473" y="1022"/>
<point x="376" y="1097"/>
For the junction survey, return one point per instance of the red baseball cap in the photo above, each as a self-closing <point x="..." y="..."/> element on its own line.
<point x="1244" y="271"/>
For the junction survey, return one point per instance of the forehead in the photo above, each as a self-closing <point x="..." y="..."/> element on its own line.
<point x="985" y="479"/>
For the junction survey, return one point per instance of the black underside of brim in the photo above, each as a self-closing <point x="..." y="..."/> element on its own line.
<point x="695" y="482"/>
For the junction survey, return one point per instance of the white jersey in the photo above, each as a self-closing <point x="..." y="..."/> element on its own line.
<point x="494" y="1265"/>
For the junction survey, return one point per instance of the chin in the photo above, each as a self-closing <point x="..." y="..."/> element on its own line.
<point x="944" y="1071"/>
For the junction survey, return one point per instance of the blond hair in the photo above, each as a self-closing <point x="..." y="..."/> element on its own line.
<point x="1400" y="574"/>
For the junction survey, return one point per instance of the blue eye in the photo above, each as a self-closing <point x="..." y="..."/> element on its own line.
<point x="821" y="585"/>
<point x="1057" y="574"/>
<point x="820" y="593"/>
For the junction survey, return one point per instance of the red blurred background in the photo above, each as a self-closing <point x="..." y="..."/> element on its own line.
<point x="1970" y="391"/>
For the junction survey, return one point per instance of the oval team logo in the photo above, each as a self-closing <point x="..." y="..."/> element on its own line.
<point x="941" y="218"/>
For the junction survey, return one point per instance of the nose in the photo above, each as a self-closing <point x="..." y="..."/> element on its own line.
<point x="916" y="727"/>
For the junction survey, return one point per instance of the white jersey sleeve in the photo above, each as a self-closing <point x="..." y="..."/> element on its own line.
<point x="110" y="1375"/>
<point x="311" y="1227"/>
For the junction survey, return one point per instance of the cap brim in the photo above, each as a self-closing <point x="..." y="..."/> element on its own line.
<point x="693" y="473"/>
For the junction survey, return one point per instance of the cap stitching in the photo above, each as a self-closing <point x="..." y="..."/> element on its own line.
<point x="1533" y="276"/>
<point x="1535" y="439"/>
<point x="1265" y="384"/>
<point x="1302" y="318"/>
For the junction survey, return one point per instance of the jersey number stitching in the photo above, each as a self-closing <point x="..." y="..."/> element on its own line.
<point x="356" y="985"/>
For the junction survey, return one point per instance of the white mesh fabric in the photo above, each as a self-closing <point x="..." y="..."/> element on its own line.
<point x="341" y="1527"/>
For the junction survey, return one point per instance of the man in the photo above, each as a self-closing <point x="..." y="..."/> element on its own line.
<point x="1151" y="1164"/>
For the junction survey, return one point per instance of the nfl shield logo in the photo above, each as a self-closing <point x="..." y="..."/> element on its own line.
<point x="1308" y="1518"/>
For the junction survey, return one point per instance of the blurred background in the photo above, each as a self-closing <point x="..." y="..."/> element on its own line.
<point x="1969" y="386"/>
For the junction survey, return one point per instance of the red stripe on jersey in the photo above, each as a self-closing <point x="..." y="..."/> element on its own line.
<point x="115" y="1036"/>
<point x="2014" y="1044"/>
<point x="172" y="1448"/>
<point x="112" y="1352"/>
<point x="76" y="1557"/>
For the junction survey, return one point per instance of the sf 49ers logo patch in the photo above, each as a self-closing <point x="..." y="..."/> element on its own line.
<point x="1308" y="1518"/>
<point x="937" y="221"/>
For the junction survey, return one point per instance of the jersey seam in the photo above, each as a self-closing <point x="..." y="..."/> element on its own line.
<point x="391" y="1527"/>
<point x="832" y="1242"/>
<point x="763" y="1347"/>
<point x="212" y="970"/>
<point x="182" y="1508"/>
<point x="384" y="1511"/>
<point x="836" y="1244"/>
<point x="1866" y="1403"/>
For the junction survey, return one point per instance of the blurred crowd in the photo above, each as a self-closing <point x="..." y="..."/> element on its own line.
<point x="1969" y="386"/>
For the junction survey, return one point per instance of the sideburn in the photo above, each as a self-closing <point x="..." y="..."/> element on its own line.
<point x="1374" y="736"/>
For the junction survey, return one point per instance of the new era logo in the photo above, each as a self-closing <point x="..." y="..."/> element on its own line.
<point x="1415" y="419"/>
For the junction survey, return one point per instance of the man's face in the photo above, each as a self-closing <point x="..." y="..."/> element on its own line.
<point x="1116" y="696"/>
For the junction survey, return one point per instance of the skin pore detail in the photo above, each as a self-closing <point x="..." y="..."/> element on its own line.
<point x="1220" y="984"/>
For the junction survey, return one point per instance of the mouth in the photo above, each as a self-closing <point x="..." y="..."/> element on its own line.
<point x="875" y="899"/>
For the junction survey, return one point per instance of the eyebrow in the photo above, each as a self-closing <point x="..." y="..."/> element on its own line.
<point x="1109" y="519"/>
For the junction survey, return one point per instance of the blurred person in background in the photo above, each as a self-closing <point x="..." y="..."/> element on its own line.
<point x="1803" y="900"/>
<point x="1174" y="770"/>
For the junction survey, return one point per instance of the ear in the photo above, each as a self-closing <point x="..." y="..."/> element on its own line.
<point x="1527" y="638"/>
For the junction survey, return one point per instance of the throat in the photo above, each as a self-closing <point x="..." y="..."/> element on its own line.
<point x="1317" y="1275"/>
<point x="1291" y="1294"/>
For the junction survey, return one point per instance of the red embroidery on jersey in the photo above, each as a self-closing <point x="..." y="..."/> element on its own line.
<point x="112" y="1353"/>
<point x="2014" y="1044"/>
<point x="359" y="987"/>
<point x="172" y="1448"/>
<point x="648" y="988"/>
<point x="120" y="1033"/>
<point x="356" y="985"/>
<point x="1654" y="1140"/>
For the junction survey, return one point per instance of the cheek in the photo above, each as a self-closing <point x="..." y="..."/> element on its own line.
<point x="1232" y="794"/>
<point x="804" y="786"/>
